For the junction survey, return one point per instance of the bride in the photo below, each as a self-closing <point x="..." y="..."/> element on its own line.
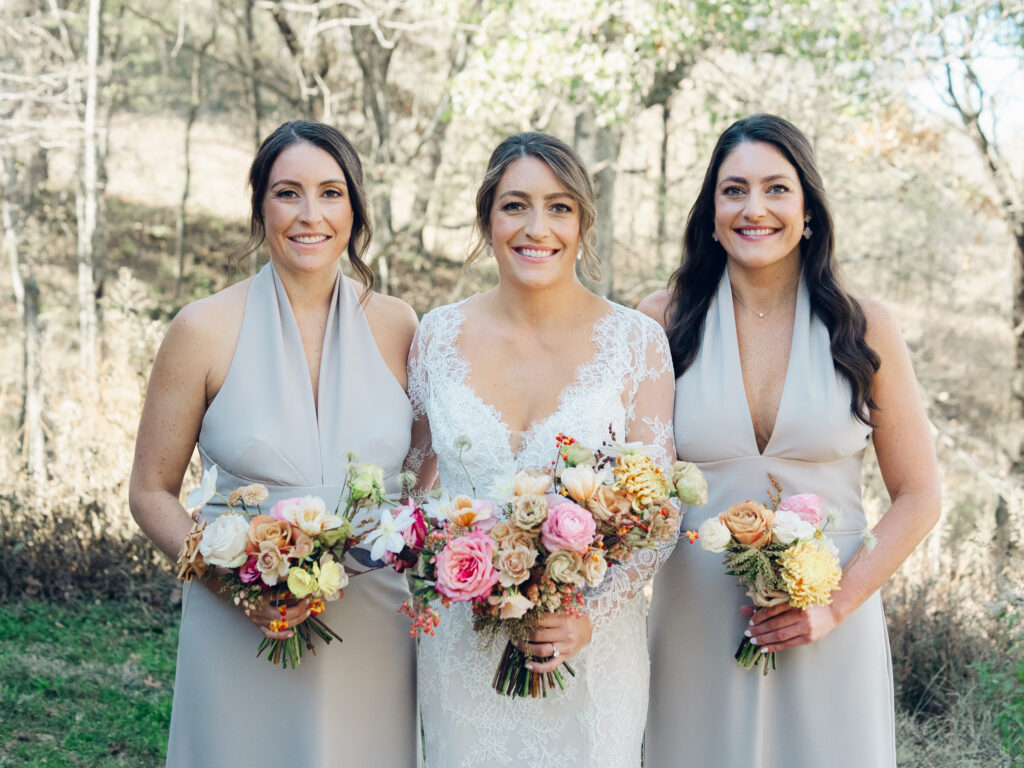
<point x="493" y="379"/>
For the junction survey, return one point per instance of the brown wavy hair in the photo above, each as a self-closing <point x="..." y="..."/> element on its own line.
<point x="694" y="283"/>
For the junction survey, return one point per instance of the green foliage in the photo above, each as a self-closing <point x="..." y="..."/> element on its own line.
<point x="753" y="566"/>
<point x="85" y="685"/>
<point x="1001" y="684"/>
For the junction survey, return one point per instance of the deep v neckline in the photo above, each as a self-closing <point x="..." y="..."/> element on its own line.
<point x="732" y="339"/>
<point x="579" y="375"/>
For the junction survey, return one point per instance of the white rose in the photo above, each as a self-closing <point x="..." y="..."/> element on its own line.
<point x="789" y="527"/>
<point x="513" y="606"/>
<point x="713" y="535"/>
<point x="224" y="540"/>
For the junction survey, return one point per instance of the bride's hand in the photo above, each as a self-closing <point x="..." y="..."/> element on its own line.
<point x="557" y="637"/>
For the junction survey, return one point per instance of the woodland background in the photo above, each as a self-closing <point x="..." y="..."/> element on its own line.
<point x="126" y="129"/>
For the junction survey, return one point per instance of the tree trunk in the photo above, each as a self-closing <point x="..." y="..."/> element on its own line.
<point x="598" y="146"/>
<point x="664" y="259"/>
<point x="33" y="443"/>
<point x="255" y="104"/>
<point x="88" y="205"/>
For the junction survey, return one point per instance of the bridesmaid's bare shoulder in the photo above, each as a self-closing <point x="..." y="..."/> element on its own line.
<point x="656" y="306"/>
<point x="393" y="324"/>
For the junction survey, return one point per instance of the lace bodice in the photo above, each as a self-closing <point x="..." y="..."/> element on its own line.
<point x="628" y="386"/>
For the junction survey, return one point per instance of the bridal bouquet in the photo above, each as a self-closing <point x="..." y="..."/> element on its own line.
<point x="532" y="547"/>
<point x="293" y="551"/>
<point x="779" y="553"/>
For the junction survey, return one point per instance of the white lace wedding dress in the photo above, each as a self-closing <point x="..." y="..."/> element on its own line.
<point x="599" y="719"/>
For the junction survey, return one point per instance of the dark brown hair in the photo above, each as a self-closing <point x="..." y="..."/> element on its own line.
<point x="695" y="282"/>
<point x="568" y="169"/>
<point x="334" y="143"/>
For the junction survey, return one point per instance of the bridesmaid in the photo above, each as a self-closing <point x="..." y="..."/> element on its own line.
<point x="780" y="370"/>
<point x="277" y="378"/>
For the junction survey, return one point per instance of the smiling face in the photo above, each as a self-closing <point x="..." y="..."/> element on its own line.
<point x="534" y="225"/>
<point x="306" y="209"/>
<point x="759" y="206"/>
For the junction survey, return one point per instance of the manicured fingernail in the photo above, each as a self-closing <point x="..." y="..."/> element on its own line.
<point x="746" y="633"/>
<point x="750" y="623"/>
<point x="753" y="641"/>
<point x="530" y="667"/>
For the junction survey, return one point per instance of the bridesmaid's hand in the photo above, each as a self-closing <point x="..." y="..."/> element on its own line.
<point x="558" y="637"/>
<point x="773" y="629"/>
<point x="295" y="611"/>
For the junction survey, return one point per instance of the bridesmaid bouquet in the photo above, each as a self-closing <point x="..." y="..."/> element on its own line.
<point x="779" y="553"/>
<point x="293" y="551"/>
<point x="533" y="547"/>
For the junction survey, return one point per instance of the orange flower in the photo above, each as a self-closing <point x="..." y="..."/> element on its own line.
<point x="264" y="528"/>
<point x="749" y="523"/>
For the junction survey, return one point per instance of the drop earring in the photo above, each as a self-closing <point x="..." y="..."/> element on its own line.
<point x="807" y="227"/>
<point x="714" y="236"/>
<point x="579" y="254"/>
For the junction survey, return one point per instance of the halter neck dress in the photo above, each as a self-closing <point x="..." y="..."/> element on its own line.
<point x="354" y="702"/>
<point x="829" y="702"/>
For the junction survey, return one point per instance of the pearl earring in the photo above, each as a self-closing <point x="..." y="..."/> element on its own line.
<point x="807" y="227"/>
<point x="714" y="236"/>
<point x="579" y="254"/>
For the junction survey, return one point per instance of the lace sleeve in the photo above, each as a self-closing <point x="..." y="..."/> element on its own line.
<point x="421" y="459"/>
<point x="649" y="399"/>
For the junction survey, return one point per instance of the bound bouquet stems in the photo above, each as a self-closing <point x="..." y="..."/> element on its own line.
<point x="749" y="656"/>
<point x="512" y="678"/>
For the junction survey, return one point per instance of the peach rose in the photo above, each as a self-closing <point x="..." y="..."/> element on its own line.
<point x="514" y="565"/>
<point x="529" y="512"/>
<point x="594" y="567"/>
<point x="509" y="536"/>
<point x="264" y="528"/>
<point x="608" y="504"/>
<point x="749" y="523"/>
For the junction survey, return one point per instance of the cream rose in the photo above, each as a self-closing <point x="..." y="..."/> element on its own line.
<point x="565" y="567"/>
<point x="514" y="565"/>
<point x="223" y="542"/>
<point x="272" y="565"/>
<point x="689" y="482"/>
<point x="508" y="536"/>
<point x="309" y="514"/>
<point x="789" y="527"/>
<point x="300" y="582"/>
<point x="330" y="577"/>
<point x="529" y="512"/>
<point x="608" y="504"/>
<point x="531" y="482"/>
<point x="713" y="535"/>
<point x="750" y="523"/>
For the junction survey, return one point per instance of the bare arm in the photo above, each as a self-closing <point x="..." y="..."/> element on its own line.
<point x="906" y="457"/>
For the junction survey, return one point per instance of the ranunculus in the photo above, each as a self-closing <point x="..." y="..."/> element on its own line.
<point x="309" y="514"/>
<point x="580" y="482"/>
<point x="465" y="567"/>
<point x="531" y="482"/>
<point x="277" y="511"/>
<point x="365" y="480"/>
<point x="509" y="536"/>
<point x="272" y="565"/>
<point x="529" y="512"/>
<point x="608" y="504"/>
<point x="300" y="582"/>
<point x="249" y="573"/>
<point x="224" y="541"/>
<point x="565" y="567"/>
<point x="569" y="526"/>
<point x="594" y="567"/>
<point x="331" y="578"/>
<point x="750" y="523"/>
<point x="514" y="565"/>
<point x="713" y="535"/>
<point x="689" y="482"/>
<point x="513" y="606"/>
<point x="807" y="506"/>
<point x="789" y="527"/>
<point x="264" y="528"/>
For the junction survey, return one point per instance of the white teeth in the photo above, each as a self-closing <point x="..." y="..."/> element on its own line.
<point x="534" y="254"/>
<point x="757" y="232"/>
<point x="308" y="239"/>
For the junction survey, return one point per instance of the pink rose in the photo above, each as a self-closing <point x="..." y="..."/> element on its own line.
<point x="465" y="567"/>
<point x="807" y="507"/>
<point x="277" y="510"/>
<point x="569" y="526"/>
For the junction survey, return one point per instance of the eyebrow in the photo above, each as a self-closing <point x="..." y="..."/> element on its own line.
<point x="773" y="177"/>
<point x="518" y="193"/>
<point x="324" y="183"/>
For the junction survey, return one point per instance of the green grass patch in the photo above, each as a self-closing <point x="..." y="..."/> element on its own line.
<point x="85" y="684"/>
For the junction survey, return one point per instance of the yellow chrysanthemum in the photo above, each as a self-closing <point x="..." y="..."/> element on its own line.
<point x="638" y="476"/>
<point x="810" y="573"/>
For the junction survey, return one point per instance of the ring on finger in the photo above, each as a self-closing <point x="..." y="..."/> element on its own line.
<point x="554" y="651"/>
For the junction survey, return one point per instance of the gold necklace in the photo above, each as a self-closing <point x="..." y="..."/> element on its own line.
<point x="764" y="314"/>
